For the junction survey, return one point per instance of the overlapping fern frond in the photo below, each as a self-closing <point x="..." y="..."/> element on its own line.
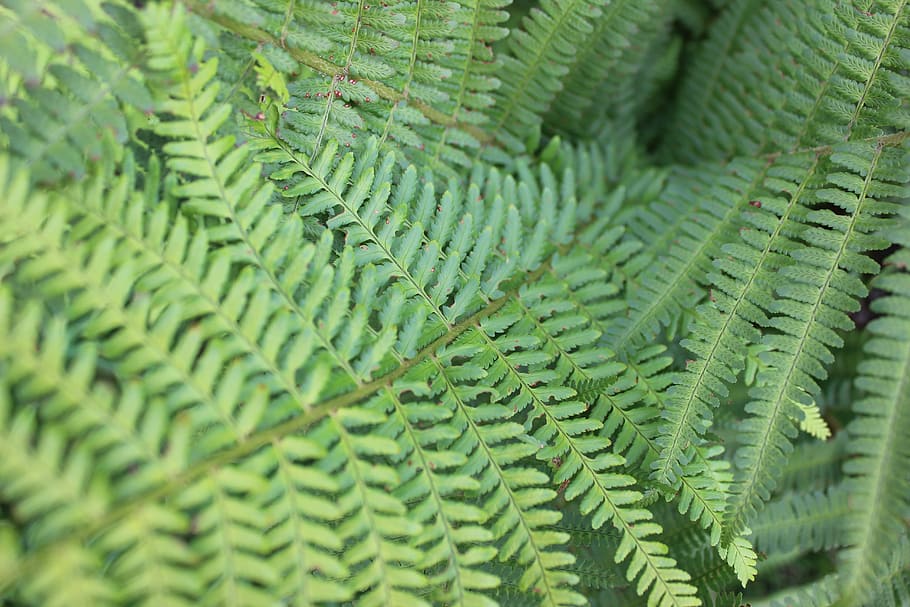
<point x="72" y="83"/>
<point x="875" y="475"/>
<point x="310" y="303"/>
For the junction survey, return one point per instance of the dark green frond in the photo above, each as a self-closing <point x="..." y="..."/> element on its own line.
<point x="876" y="473"/>
<point x="620" y="42"/>
<point x="822" y="287"/>
<point x="814" y="464"/>
<point x="801" y="522"/>
<point x="542" y="53"/>
<point x="758" y="92"/>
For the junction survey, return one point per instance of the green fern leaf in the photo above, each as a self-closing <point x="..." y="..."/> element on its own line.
<point x="873" y="530"/>
<point x="76" y="97"/>
<point x="829" y="260"/>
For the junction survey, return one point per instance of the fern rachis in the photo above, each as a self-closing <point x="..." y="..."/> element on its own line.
<point x="400" y="303"/>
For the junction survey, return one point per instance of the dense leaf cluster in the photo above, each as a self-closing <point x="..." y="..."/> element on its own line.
<point x="430" y="303"/>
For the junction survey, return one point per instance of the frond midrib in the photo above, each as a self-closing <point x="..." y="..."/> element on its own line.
<point x="728" y="317"/>
<point x="875" y="68"/>
<point x="513" y="499"/>
<point x="321" y="65"/>
<point x="743" y="500"/>
<point x="258" y="439"/>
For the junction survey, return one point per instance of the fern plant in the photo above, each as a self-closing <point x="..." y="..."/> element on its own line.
<point x="430" y="303"/>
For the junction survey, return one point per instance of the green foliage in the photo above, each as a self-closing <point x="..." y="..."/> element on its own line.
<point x="432" y="303"/>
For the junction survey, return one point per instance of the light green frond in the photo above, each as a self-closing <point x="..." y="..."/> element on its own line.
<point x="674" y="281"/>
<point x="331" y="303"/>
<point x="248" y="324"/>
<point x="71" y="97"/>
<point x="740" y="301"/>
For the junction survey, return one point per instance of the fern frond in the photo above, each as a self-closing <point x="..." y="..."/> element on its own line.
<point x="801" y="522"/>
<point x="371" y="226"/>
<point x="618" y="44"/>
<point x="35" y="464"/>
<point x="378" y="244"/>
<point x="850" y="90"/>
<point x="876" y="473"/>
<point x="508" y="503"/>
<point x="729" y="324"/>
<point x="617" y="401"/>
<point x="416" y="75"/>
<point x="893" y="587"/>
<point x="542" y="52"/>
<point x="817" y="593"/>
<point x="311" y="303"/>
<point x="701" y="492"/>
<point x="709" y="207"/>
<point x="584" y="471"/>
<point x="229" y="428"/>
<point x="666" y="287"/>
<point x="72" y="84"/>
<point x="37" y="487"/>
<point x="859" y="177"/>
<point x="215" y="417"/>
<point x="707" y="81"/>
<point x="814" y="464"/>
